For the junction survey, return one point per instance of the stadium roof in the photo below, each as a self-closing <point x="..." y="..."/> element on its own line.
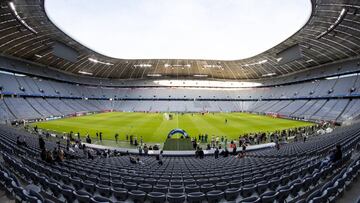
<point x="332" y="33"/>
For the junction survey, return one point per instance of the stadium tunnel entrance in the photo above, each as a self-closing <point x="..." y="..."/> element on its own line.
<point x="178" y="131"/>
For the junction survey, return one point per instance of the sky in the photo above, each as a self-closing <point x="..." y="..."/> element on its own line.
<point x="179" y="29"/>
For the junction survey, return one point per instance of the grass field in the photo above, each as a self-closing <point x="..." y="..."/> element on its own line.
<point x="154" y="128"/>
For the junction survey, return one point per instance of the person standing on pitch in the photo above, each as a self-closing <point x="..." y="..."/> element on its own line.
<point x="135" y="141"/>
<point x="146" y="150"/>
<point x="244" y="148"/>
<point x="216" y="153"/>
<point x="160" y="158"/>
<point x="140" y="150"/>
<point x="234" y="149"/>
<point x="116" y="137"/>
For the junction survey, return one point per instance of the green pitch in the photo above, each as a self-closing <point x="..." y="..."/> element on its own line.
<point x="153" y="127"/>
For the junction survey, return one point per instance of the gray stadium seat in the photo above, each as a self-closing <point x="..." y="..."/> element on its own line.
<point x="82" y="196"/>
<point x="196" y="197"/>
<point x="137" y="196"/>
<point x="232" y="193"/>
<point x="156" y="197"/>
<point x="99" y="199"/>
<point x="176" y="197"/>
<point x="214" y="196"/>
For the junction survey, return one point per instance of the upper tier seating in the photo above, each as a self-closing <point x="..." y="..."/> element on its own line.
<point x="24" y="85"/>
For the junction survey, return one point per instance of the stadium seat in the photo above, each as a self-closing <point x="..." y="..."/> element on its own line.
<point x="176" y="189"/>
<point x="232" y="193"/>
<point x="274" y="183"/>
<point x="176" y="182"/>
<point x="189" y="182"/>
<point x="145" y="187"/>
<point x="248" y="190"/>
<point x="202" y="181"/>
<point x="55" y="188"/>
<point x="250" y="200"/>
<point x="56" y="175"/>
<point x="314" y="195"/>
<point x="283" y="193"/>
<point x="156" y="197"/>
<point x="117" y="183"/>
<point x="196" y="197"/>
<point x="207" y="187"/>
<point x="99" y="199"/>
<point x="138" y="180"/>
<point x="307" y="183"/>
<point x="316" y="177"/>
<point x="269" y="197"/>
<point x="192" y="188"/>
<point x="151" y="181"/>
<point x="120" y="194"/>
<point x="104" y="181"/>
<point x="235" y="183"/>
<point x="332" y="192"/>
<point x="161" y="188"/>
<point x="214" y="196"/>
<point x="176" y="197"/>
<point x="261" y="187"/>
<point x="226" y="178"/>
<point x="89" y="186"/>
<point x="284" y="180"/>
<point x="214" y="180"/>
<point x="39" y="196"/>
<point x="76" y="182"/>
<point x="163" y="182"/>
<point x="247" y="181"/>
<point x="43" y="183"/>
<point x="222" y="186"/>
<point x="103" y="190"/>
<point x="293" y="175"/>
<point x="137" y="196"/>
<point x="65" y="178"/>
<point x="18" y="191"/>
<point x="82" y="196"/>
<point x="31" y="199"/>
<point x="296" y="187"/>
<point x="130" y="186"/>
<point x="67" y="193"/>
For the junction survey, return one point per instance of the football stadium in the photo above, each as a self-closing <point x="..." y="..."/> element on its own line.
<point x="178" y="101"/>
